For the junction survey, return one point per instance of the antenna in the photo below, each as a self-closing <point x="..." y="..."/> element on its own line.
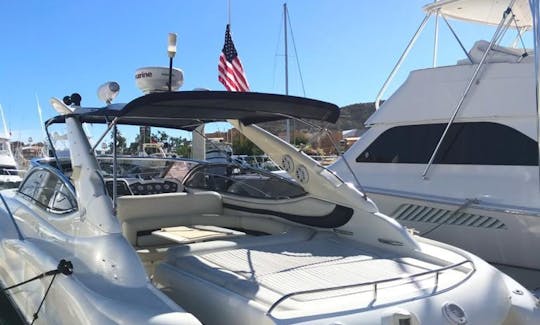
<point x="4" y="122"/>
<point x="40" y="114"/>
<point x="286" y="60"/>
<point x="171" y="51"/>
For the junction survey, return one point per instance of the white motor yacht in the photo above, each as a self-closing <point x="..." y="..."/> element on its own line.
<point x="9" y="173"/>
<point x="88" y="241"/>
<point x="453" y="153"/>
<point x="27" y="153"/>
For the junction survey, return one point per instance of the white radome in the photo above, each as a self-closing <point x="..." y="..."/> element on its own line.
<point x="156" y="79"/>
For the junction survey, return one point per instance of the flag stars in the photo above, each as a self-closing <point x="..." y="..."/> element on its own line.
<point x="231" y="72"/>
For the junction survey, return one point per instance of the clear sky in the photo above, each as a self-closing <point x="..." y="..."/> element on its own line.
<point x="345" y="48"/>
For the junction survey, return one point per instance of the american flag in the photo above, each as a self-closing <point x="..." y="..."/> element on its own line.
<point x="231" y="72"/>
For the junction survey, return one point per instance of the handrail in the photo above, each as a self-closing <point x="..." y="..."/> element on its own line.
<point x="374" y="283"/>
<point x="458" y="40"/>
<point x="109" y="127"/>
<point x="400" y="61"/>
<point x="52" y="148"/>
<point x="475" y="74"/>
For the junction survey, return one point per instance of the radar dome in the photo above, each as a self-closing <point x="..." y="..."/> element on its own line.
<point x="156" y="79"/>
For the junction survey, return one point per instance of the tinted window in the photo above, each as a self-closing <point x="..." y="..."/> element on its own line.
<point x="242" y="181"/>
<point x="61" y="200"/>
<point x="32" y="183"/>
<point x="479" y="143"/>
<point x="48" y="191"/>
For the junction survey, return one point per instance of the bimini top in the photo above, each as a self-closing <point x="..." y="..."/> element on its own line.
<point x="188" y="109"/>
<point x="487" y="12"/>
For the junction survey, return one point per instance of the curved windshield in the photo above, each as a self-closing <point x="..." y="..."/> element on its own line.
<point x="146" y="168"/>
<point x="243" y="181"/>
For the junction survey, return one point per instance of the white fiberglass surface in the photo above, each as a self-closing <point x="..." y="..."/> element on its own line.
<point x="325" y="261"/>
<point x="491" y="185"/>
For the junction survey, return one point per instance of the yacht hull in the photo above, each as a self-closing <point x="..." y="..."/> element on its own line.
<point x="500" y="236"/>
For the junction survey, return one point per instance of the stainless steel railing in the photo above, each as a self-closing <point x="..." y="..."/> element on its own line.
<point x="375" y="284"/>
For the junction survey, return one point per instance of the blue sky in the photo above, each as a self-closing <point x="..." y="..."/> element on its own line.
<point x="345" y="48"/>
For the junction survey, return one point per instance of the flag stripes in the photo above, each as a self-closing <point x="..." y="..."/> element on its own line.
<point x="231" y="71"/>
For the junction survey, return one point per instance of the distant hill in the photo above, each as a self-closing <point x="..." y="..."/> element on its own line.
<point x="354" y="116"/>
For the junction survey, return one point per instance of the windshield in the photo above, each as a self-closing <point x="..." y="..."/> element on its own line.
<point x="243" y="181"/>
<point x="156" y="155"/>
<point x="146" y="168"/>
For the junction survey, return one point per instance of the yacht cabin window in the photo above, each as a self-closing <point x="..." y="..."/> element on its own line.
<point x="472" y="143"/>
<point x="48" y="191"/>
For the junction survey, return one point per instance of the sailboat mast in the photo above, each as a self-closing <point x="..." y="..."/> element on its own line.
<point x="288" y="122"/>
<point x="4" y="122"/>
<point x="286" y="50"/>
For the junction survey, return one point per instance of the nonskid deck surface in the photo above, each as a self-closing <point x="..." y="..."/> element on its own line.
<point x="268" y="272"/>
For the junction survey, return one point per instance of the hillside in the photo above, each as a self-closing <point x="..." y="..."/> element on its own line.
<point x="353" y="116"/>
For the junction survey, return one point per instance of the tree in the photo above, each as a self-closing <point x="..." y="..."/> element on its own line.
<point x="300" y="139"/>
<point x="180" y="146"/>
<point x="161" y="136"/>
<point x="243" y="146"/>
<point x="121" y="142"/>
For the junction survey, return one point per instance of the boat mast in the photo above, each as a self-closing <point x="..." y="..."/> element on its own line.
<point x="288" y="122"/>
<point x="436" y="39"/>
<point x="6" y="132"/>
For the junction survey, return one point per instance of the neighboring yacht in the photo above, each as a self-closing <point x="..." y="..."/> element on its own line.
<point x="453" y="153"/>
<point x="9" y="173"/>
<point x="27" y="153"/>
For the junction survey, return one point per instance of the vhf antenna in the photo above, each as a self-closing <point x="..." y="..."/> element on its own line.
<point x="171" y="51"/>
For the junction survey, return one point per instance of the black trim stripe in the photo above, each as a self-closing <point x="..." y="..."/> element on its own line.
<point x="337" y="218"/>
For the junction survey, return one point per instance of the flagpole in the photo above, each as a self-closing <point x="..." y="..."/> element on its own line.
<point x="229" y="12"/>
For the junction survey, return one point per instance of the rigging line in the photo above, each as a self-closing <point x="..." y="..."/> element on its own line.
<point x="519" y="34"/>
<point x="296" y="54"/>
<point x="64" y="267"/>
<point x="35" y="316"/>
<point x="276" y="54"/>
